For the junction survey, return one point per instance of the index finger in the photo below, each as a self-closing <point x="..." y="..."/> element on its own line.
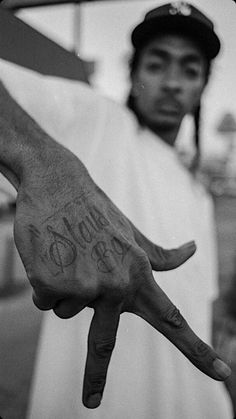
<point x="101" y="342"/>
<point x="155" y="307"/>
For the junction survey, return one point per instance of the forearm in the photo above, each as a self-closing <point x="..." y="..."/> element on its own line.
<point x="21" y="140"/>
<point x="24" y="146"/>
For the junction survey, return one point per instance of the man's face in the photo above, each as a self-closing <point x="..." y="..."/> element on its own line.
<point x="168" y="81"/>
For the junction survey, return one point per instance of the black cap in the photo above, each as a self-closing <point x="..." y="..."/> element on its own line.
<point x="178" y="17"/>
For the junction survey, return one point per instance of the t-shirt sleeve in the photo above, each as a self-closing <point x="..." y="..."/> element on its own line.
<point x="71" y="112"/>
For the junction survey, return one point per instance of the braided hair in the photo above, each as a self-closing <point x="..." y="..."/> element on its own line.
<point x="197" y="124"/>
<point x="131" y="104"/>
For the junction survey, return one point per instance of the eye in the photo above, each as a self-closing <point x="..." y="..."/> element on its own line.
<point x="154" y="66"/>
<point x="192" y="72"/>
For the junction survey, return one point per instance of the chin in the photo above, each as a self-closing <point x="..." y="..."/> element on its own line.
<point x="167" y="123"/>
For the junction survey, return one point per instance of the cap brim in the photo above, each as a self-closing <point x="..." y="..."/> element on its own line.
<point x="205" y="37"/>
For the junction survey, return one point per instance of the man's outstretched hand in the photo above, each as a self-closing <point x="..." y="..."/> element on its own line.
<point x="79" y="250"/>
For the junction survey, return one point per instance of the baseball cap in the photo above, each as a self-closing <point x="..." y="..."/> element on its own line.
<point x="180" y="17"/>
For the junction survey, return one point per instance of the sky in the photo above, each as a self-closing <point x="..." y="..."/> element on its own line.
<point x="103" y="35"/>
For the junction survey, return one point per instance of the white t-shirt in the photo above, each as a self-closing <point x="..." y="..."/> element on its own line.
<point x="148" y="377"/>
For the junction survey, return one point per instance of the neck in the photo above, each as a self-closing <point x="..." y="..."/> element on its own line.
<point x="167" y="135"/>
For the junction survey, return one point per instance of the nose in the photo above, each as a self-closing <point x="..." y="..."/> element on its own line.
<point x="172" y="79"/>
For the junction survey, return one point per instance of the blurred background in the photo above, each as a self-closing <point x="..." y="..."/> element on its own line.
<point x="95" y="35"/>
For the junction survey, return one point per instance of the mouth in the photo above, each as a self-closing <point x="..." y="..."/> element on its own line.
<point x="169" y="106"/>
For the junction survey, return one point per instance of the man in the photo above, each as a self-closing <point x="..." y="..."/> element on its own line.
<point x="87" y="238"/>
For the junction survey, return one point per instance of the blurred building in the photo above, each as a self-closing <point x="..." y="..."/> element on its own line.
<point x="219" y="173"/>
<point x="219" y="176"/>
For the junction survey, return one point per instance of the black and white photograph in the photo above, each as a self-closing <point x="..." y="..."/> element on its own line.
<point x="117" y="209"/>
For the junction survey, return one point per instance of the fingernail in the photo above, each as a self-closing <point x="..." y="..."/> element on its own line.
<point x="94" y="400"/>
<point x="221" y="368"/>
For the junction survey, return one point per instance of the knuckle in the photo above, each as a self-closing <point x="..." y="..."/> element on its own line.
<point x="97" y="381"/>
<point x="201" y="349"/>
<point x="174" y="318"/>
<point x="116" y="289"/>
<point x="87" y="289"/>
<point x="201" y="353"/>
<point x="63" y="313"/>
<point x="141" y="265"/>
<point x="40" y="305"/>
<point x="103" y="349"/>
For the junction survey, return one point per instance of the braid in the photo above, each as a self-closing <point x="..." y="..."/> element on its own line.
<point x="197" y="117"/>
<point x="197" y="120"/>
<point x="197" y="123"/>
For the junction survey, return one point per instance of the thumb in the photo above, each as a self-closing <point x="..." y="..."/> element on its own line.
<point x="164" y="259"/>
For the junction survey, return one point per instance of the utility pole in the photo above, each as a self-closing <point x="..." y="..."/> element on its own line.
<point x="227" y="128"/>
<point x="77" y="36"/>
<point x="77" y="19"/>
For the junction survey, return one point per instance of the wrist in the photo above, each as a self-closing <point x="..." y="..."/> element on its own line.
<point x="29" y="155"/>
<point x="23" y="144"/>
